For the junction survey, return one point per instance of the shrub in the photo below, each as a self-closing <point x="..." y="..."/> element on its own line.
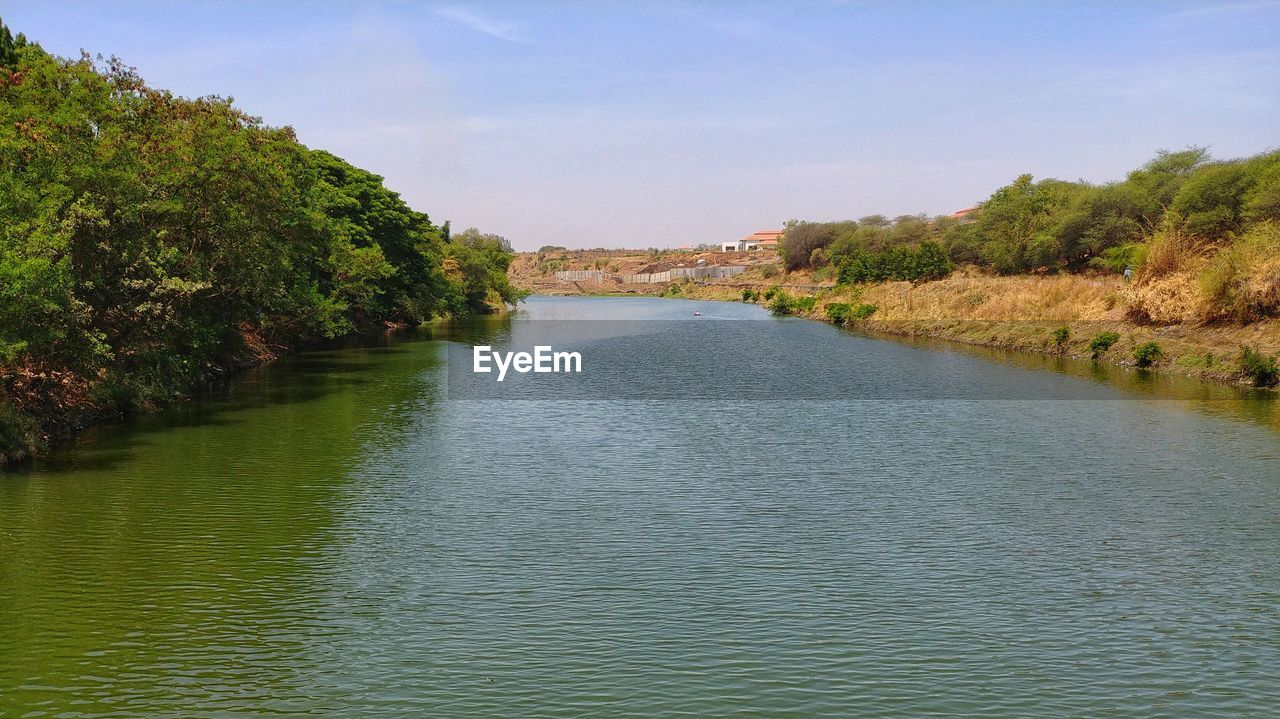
<point x="1263" y="370"/>
<point x="1147" y="354"/>
<point x="843" y="313"/>
<point x="930" y="262"/>
<point x="1061" y="335"/>
<point x="781" y="303"/>
<point x="768" y="271"/>
<point x="750" y="295"/>
<point x="806" y="303"/>
<point x="862" y="312"/>
<point x="1118" y="259"/>
<point x="1102" y="343"/>
<point x="771" y="292"/>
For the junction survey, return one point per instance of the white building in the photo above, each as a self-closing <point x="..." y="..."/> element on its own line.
<point x="761" y="240"/>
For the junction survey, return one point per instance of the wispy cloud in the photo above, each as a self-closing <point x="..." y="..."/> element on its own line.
<point x="508" y="31"/>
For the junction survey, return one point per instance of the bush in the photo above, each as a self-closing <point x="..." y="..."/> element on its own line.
<point x="862" y="312"/>
<point x="771" y="293"/>
<point x="1118" y="259"/>
<point x="1147" y="354"/>
<point x="1061" y="335"/>
<point x="768" y="271"/>
<point x="781" y="303"/>
<point x="750" y="295"/>
<point x="843" y="313"/>
<point x="1102" y="343"/>
<point x="1263" y="370"/>
<point x="930" y="262"/>
<point x="806" y="303"/>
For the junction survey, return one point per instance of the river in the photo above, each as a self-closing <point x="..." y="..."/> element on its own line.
<point x="349" y="533"/>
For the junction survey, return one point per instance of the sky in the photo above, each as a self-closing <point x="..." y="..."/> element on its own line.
<point x="632" y="124"/>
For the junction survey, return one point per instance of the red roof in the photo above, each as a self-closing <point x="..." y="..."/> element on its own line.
<point x="764" y="236"/>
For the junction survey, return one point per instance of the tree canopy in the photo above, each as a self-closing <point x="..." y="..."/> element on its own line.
<point x="144" y="236"/>
<point x="1053" y="224"/>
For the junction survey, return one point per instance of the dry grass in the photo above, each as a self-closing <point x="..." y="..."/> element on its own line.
<point x="1242" y="281"/>
<point x="1171" y="298"/>
<point x="1024" y="312"/>
<point x="1170" y="251"/>
<point x="1001" y="299"/>
<point x="1184" y="282"/>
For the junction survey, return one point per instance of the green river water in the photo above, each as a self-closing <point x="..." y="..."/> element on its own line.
<point x="337" y="535"/>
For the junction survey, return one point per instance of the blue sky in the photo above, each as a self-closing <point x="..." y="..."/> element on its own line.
<point x="633" y="124"/>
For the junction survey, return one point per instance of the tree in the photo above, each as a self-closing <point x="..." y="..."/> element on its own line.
<point x="801" y="239"/>
<point x="10" y="45"/>
<point x="1098" y="219"/>
<point x="1015" y="229"/>
<point x="1210" y="204"/>
<point x="482" y="261"/>
<point x="1156" y="183"/>
<point x="144" y="236"/>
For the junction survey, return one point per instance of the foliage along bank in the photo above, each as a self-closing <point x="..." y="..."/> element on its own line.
<point x="1055" y="225"/>
<point x="148" y="240"/>
<point x="1199" y="238"/>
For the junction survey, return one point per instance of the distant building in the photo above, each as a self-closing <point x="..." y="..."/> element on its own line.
<point x="761" y="240"/>
<point x="965" y="213"/>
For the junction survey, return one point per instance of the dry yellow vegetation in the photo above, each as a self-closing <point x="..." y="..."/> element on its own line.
<point x="1175" y="302"/>
<point x="1023" y="298"/>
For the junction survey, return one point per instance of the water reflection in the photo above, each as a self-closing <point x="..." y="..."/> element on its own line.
<point x="174" y="561"/>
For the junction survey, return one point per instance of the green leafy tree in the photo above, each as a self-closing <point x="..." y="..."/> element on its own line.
<point x="144" y="237"/>
<point x="1015" y="229"/>
<point x="1155" y="184"/>
<point x="10" y="45"/>
<point x="1211" y="203"/>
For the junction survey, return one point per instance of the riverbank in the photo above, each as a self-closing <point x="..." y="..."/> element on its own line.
<point x="41" y="407"/>
<point x="1068" y="315"/>
<point x="1025" y="313"/>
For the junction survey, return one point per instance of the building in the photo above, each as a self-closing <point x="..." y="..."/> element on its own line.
<point x="966" y="213"/>
<point x="760" y="240"/>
